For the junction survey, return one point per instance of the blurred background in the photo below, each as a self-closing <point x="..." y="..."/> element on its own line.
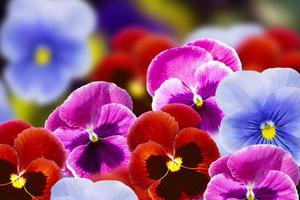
<point x="129" y="33"/>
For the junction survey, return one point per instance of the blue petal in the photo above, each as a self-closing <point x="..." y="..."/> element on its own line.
<point x="282" y="77"/>
<point x="70" y="187"/>
<point x="243" y="90"/>
<point x="110" y="190"/>
<point x="32" y="83"/>
<point x="5" y="109"/>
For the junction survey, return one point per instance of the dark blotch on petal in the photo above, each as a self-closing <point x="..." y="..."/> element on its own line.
<point x="6" y="169"/>
<point x="193" y="182"/>
<point x="190" y="154"/>
<point x="156" y="166"/>
<point x="10" y="193"/>
<point x="106" y="130"/>
<point x="100" y="153"/>
<point x="170" y="187"/>
<point x="35" y="183"/>
<point x="265" y="193"/>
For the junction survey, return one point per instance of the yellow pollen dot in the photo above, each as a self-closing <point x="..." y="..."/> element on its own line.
<point x="17" y="181"/>
<point x="136" y="89"/>
<point x="250" y="197"/>
<point x="43" y="56"/>
<point x="198" y="101"/>
<point x="174" y="165"/>
<point x="268" y="131"/>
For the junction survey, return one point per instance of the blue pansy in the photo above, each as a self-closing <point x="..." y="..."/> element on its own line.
<point x="84" y="189"/>
<point x="5" y="109"/>
<point x="45" y="44"/>
<point x="261" y="108"/>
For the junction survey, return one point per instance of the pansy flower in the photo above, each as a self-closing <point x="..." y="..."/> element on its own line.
<point x="93" y="123"/>
<point x="277" y="47"/>
<point x="84" y="189"/>
<point x="55" y="50"/>
<point x="6" y="111"/>
<point x="170" y="164"/>
<point x="261" y="172"/>
<point x="190" y="75"/>
<point x="30" y="161"/>
<point x="126" y="65"/>
<point x="261" y="108"/>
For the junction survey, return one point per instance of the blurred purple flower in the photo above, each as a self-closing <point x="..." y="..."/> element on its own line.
<point x="191" y="75"/>
<point x="45" y="45"/>
<point x="5" y="109"/>
<point x="93" y="123"/>
<point x="261" y="172"/>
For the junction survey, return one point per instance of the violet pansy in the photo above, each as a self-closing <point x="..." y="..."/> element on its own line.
<point x="93" y="123"/>
<point x="190" y="75"/>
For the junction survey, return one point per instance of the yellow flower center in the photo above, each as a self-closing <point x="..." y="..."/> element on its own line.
<point x="43" y="56"/>
<point x="250" y="194"/>
<point x="268" y="130"/>
<point x="92" y="136"/>
<point x="198" y="101"/>
<point x="250" y="197"/>
<point x="17" y="181"/>
<point x="136" y="89"/>
<point x="174" y="165"/>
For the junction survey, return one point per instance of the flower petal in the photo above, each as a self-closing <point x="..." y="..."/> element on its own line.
<point x="8" y="163"/>
<point x="107" y="154"/>
<point x="220" y="167"/>
<point x="221" y="187"/>
<point x="172" y="91"/>
<point x="115" y="119"/>
<point x="54" y="121"/>
<point x="251" y="165"/>
<point x="196" y="148"/>
<point x="242" y="90"/>
<point x="209" y="76"/>
<point x="78" y="110"/>
<point x="147" y="165"/>
<point x="277" y="185"/>
<point x="184" y="115"/>
<point x="10" y="130"/>
<point x="157" y="126"/>
<point x="36" y="143"/>
<point x="220" y="52"/>
<point x="110" y="190"/>
<point x="212" y="116"/>
<point x="71" y="188"/>
<point x="180" y="63"/>
<point x="40" y="176"/>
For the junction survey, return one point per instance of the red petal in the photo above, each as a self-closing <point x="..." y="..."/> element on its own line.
<point x="145" y="166"/>
<point x="206" y="152"/>
<point x="10" y="130"/>
<point x="111" y="64"/>
<point x="40" y="176"/>
<point x="154" y="126"/>
<point x="286" y="37"/>
<point x="126" y="38"/>
<point x="259" y="53"/>
<point x="183" y="114"/>
<point x="148" y="47"/>
<point x="290" y="59"/>
<point x="36" y="143"/>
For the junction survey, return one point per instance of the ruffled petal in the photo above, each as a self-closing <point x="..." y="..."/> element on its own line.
<point x="180" y="63"/>
<point x="54" y="121"/>
<point x="209" y="76"/>
<point x="184" y="115"/>
<point x="253" y="163"/>
<point x="10" y="130"/>
<point x="147" y="165"/>
<point x="221" y="187"/>
<point x="220" y="167"/>
<point x="157" y="126"/>
<point x="277" y="185"/>
<point x="115" y="119"/>
<point x="172" y="91"/>
<point x="196" y="148"/>
<point x="40" y="176"/>
<point x="220" y="52"/>
<point x="36" y="143"/>
<point x="78" y="110"/>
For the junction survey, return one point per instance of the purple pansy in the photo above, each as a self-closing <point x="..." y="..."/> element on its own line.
<point x="261" y="172"/>
<point x="190" y="75"/>
<point x="93" y="123"/>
